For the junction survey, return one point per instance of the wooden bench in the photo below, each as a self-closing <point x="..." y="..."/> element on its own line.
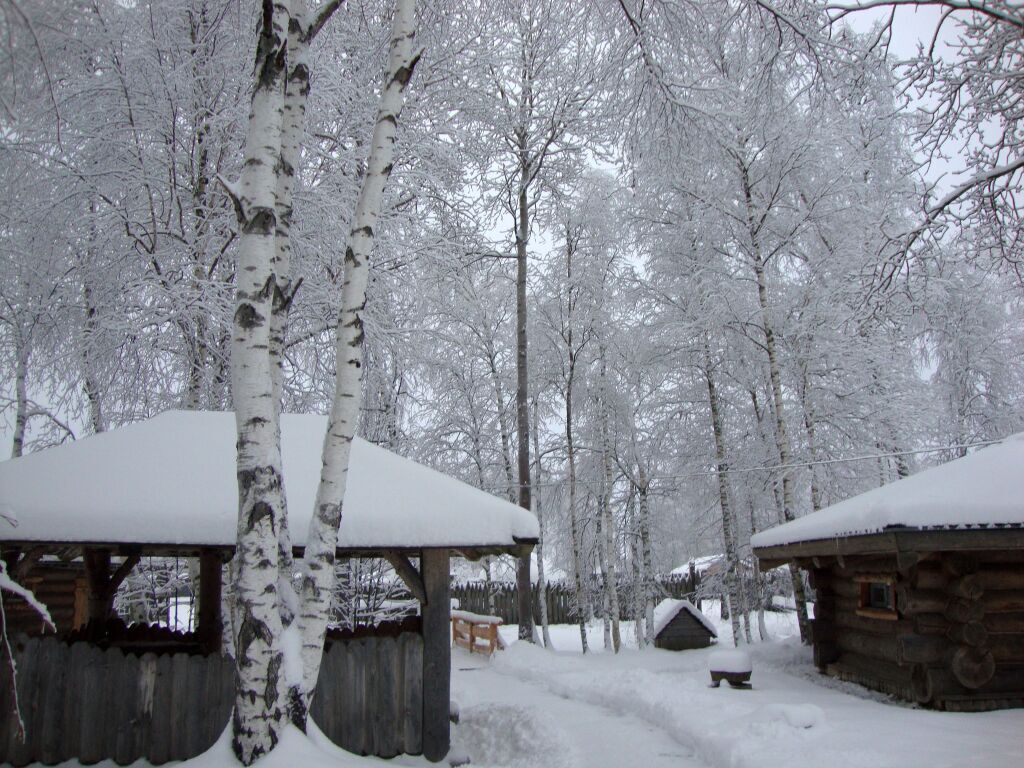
<point x="476" y="633"/>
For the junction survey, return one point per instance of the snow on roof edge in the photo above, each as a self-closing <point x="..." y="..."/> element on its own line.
<point x="981" y="491"/>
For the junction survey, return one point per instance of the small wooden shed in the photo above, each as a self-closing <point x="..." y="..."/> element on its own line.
<point x="679" y="626"/>
<point x="920" y="583"/>
<point x="77" y="518"/>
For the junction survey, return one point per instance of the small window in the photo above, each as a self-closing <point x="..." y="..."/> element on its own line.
<point x="877" y="598"/>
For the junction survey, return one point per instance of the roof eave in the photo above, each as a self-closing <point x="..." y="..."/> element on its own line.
<point x="894" y="541"/>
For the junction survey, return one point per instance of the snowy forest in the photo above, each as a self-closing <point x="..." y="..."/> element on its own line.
<point x="666" y="273"/>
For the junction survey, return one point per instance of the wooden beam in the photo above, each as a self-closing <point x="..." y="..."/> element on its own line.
<point x="210" y="626"/>
<point x="437" y="654"/>
<point x="408" y="573"/>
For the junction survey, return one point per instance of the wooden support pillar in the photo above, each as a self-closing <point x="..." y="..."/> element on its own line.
<point x="210" y="626"/>
<point x="102" y="584"/>
<point x="97" y="573"/>
<point x="437" y="653"/>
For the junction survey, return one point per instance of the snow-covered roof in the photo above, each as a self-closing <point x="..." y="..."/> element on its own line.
<point x="700" y="564"/>
<point x="171" y="481"/>
<point x="984" y="489"/>
<point x="668" y="609"/>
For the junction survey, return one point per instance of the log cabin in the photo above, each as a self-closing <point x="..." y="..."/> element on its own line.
<point x="919" y="584"/>
<point x="76" y="519"/>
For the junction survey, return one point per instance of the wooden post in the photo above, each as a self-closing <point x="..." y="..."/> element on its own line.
<point x="437" y="654"/>
<point x="209" y="626"/>
<point x="97" y="573"/>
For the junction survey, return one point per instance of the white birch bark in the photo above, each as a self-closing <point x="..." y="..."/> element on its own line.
<point x="606" y="546"/>
<point x="728" y="528"/>
<point x="542" y="583"/>
<point x="318" y="562"/>
<point x="260" y="707"/>
<point x="775" y="381"/>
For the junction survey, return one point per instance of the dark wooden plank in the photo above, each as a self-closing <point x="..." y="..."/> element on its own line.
<point x="218" y="709"/>
<point x="412" y="688"/>
<point x="127" y="743"/>
<point x="387" y="720"/>
<point x="91" y="695"/>
<point x="146" y="698"/>
<point x="22" y="750"/>
<point x="355" y="698"/>
<point x="322" y="706"/>
<point x="436" y="654"/>
<point x="371" y="694"/>
<point x="52" y="707"/>
<point x="195" y="707"/>
<point x="177" y="743"/>
<point x="159" y="747"/>
<point x="75" y="681"/>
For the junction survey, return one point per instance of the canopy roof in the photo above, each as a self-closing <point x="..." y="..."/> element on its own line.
<point x="170" y="481"/>
<point x="982" y="491"/>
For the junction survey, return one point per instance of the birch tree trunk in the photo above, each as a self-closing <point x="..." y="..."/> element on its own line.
<point x="260" y="706"/>
<point x="721" y="467"/>
<point x="643" y="488"/>
<point x="574" y="518"/>
<point x="524" y="590"/>
<point x="775" y="380"/>
<point x="542" y="584"/>
<point x="607" y="539"/>
<point x="20" y="398"/>
<point x="318" y="562"/>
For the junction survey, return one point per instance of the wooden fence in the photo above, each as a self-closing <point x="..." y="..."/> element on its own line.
<point x="561" y="598"/>
<point x="369" y="696"/>
<point x="81" y="702"/>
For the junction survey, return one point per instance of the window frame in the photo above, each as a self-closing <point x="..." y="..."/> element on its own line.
<point x="865" y="606"/>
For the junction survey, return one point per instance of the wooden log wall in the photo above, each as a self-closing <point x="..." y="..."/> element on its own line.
<point x="956" y="643"/>
<point x="86" y="703"/>
<point x="59" y="587"/>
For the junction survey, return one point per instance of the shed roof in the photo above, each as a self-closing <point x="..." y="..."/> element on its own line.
<point x="170" y="480"/>
<point x="981" y="491"/>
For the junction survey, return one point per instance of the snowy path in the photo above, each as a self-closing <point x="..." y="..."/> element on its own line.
<point x="509" y="722"/>
<point x="792" y="717"/>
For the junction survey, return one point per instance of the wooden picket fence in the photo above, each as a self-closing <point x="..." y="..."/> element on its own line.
<point x="500" y="598"/>
<point x="81" y="702"/>
<point x="369" y="696"/>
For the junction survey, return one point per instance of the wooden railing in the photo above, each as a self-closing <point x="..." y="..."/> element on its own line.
<point x="475" y="632"/>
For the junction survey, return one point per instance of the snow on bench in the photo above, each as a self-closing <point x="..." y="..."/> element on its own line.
<point x="476" y="632"/>
<point x="732" y="666"/>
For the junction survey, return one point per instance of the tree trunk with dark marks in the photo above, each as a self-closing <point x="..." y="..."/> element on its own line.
<point x="728" y="523"/>
<point x="775" y="381"/>
<point x="260" y="706"/>
<point x="318" y="563"/>
<point x="522" y="394"/>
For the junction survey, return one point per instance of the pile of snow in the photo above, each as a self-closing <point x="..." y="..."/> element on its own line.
<point x="982" y="490"/>
<point x="668" y="609"/>
<point x="733" y="662"/>
<point x="312" y="750"/>
<point x="171" y="480"/>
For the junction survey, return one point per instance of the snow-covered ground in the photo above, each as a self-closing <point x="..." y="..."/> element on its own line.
<point x="532" y="707"/>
